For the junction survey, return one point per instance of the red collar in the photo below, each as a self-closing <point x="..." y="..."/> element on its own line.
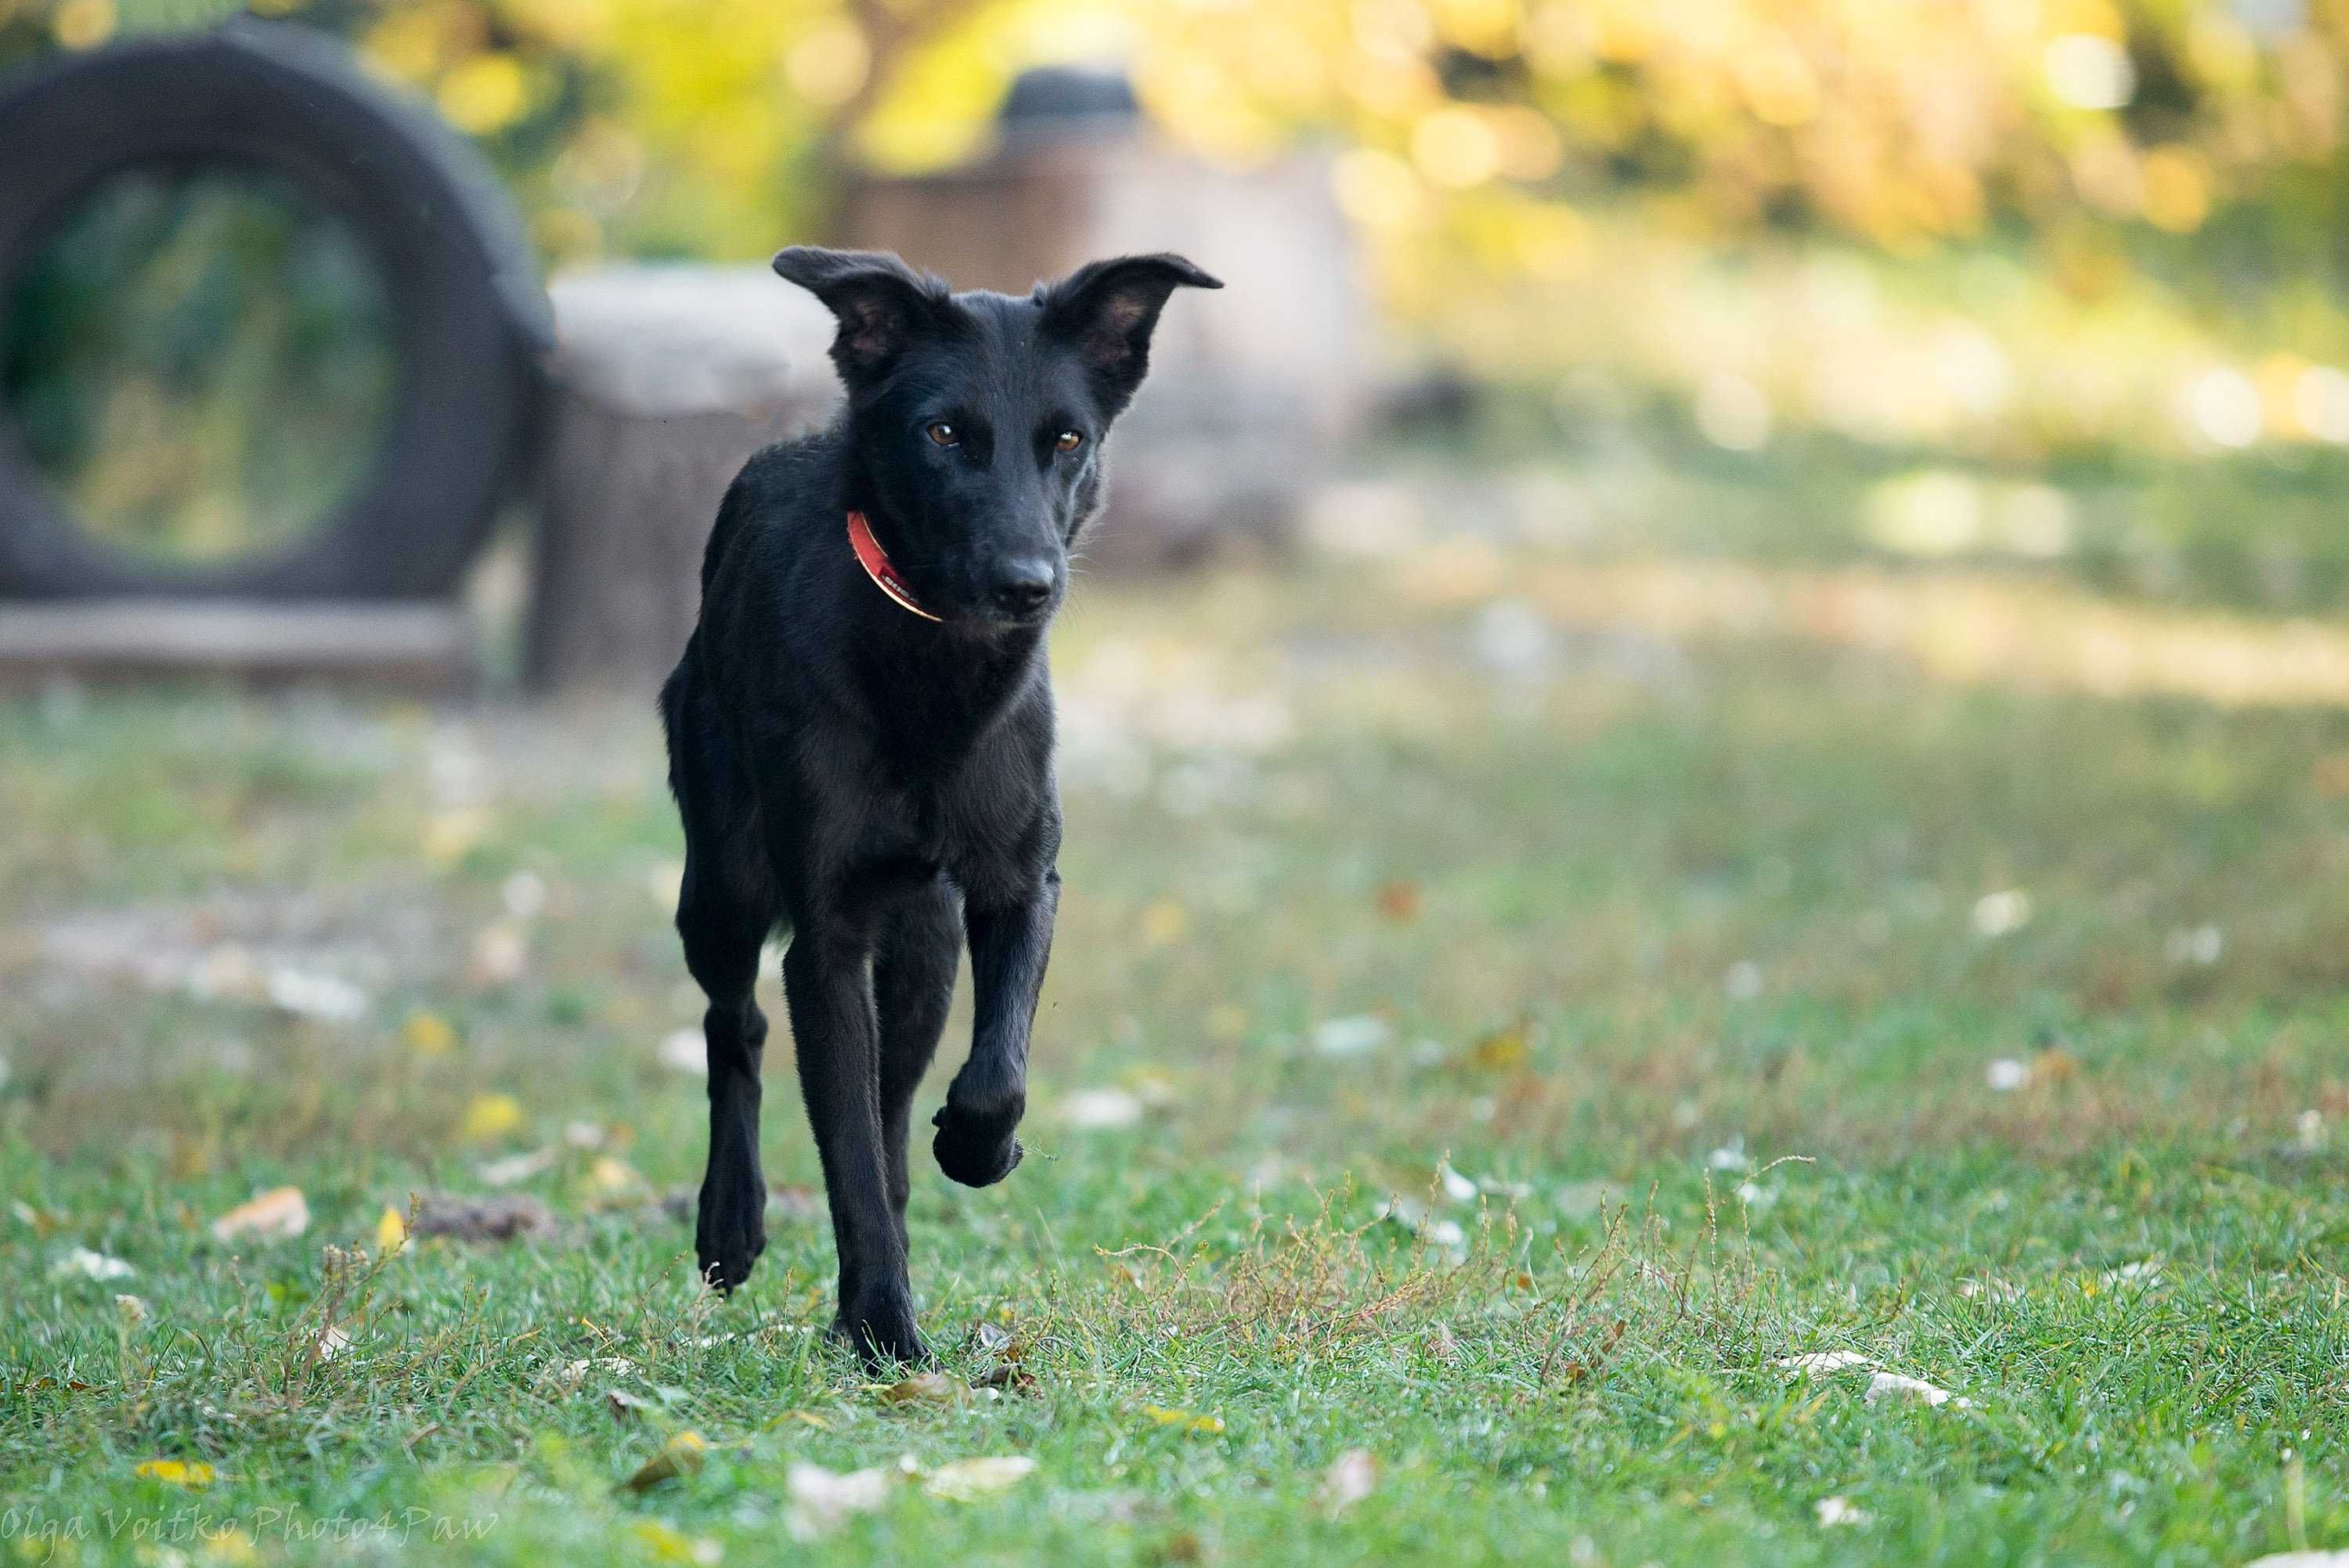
<point x="875" y="562"/>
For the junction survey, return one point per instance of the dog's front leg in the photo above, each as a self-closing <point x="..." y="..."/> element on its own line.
<point x="838" y="1044"/>
<point x="1010" y="939"/>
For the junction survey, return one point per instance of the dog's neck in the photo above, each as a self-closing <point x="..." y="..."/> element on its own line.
<point x="933" y="685"/>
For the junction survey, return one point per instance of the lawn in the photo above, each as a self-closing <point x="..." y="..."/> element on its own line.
<point x="1490" y="1040"/>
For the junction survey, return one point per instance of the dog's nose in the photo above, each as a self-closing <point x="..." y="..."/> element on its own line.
<point x="1022" y="584"/>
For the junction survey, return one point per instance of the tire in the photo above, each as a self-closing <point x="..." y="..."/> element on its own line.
<point x="470" y="321"/>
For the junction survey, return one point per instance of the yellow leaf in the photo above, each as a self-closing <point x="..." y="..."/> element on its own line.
<point x="390" y="1232"/>
<point x="1501" y="1050"/>
<point x="680" y="1455"/>
<point x="178" y="1472"/>
<point x="611" y="1173"/>
<point x="1189" y="1420"/>
<point x="277" y="1215"/>
<point x="429" y="1035"/>
<point x="490" y="1116"/>
<point x="966" y="1480"/>
<point x="450" y="836"/>
<point x="667" y="1544"/>
<point x="1164" y="923"/>
<point x="932" y="1387"/>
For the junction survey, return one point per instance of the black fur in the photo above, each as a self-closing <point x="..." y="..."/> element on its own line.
<point x="878" y="784"/>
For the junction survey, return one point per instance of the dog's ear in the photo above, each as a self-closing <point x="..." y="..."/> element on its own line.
<point x="1109" y="309"/>
<point x="882" y="304"/>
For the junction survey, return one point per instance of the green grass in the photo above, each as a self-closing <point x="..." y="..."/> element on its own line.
<point x="1675" y="952"/>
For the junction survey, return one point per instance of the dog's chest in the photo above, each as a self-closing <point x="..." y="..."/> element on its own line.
<point x="962" y="812"/>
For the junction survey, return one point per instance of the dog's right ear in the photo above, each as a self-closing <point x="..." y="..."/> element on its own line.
<point x="882" y="304"/>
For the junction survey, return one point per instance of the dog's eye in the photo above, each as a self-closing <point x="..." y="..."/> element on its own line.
<point x="1067" y="440"/>
<point x="944" y="434"/>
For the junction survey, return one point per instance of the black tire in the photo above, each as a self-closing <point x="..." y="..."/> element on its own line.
<point x="469" y="320"/>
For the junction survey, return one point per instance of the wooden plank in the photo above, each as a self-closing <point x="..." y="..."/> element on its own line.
<point x="420" y="647"/>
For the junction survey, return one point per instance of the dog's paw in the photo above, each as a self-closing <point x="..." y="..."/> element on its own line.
<point x="879" y="1326"/>
<point x="976" y="1149"/>
<point x="728" y="1236"/>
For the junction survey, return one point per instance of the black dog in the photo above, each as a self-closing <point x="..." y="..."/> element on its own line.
<point x="860" y="735"/>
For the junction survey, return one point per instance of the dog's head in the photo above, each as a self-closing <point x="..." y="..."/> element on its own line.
<point x="976" y="420"/>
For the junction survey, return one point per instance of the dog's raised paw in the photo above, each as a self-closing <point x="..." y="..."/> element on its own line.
<point x="977" y="1150"/>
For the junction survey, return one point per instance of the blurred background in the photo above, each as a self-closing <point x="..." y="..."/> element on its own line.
<point x="2022" y="279"/>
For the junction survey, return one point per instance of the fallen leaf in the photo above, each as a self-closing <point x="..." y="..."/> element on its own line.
<point x="1164" y="923"/>
<point x="333" y="1343"/>
<point x="515" y="1168"/>
<point x="306" y="994"/>
<point x="92" y="1265"/>
<point x="625" y="1407"/>
<point x="612" y="1175"/>
<point x="1503" y="1050"/>
<point x="821" y="1500"/>
<point x="189" y="1473"/>
<point x="504" y="1218"/>
<point x="1841" y="1511"/>
<point x="1897" y="1386"/>
<point x="924" y="1388"/>
<point x="489" y="1116"/>
<point x="1998" y="913"/>
<point x="429" y="1035"/>
<point x="449" y="835"/>
<point x="524" y="894"/>
<point x="2055" y="1065"/>
<point x="571" y="1373"/>
<point x="1352" y="1477"/>
<point x="500" y="955"/>
<point x="2006" y="1074"/>
<point x="1189" y="1420"/>
<point x="1822" y="1361"/>
<point x="1007" y="1375"/>
<point x="278" y="1215"/>
<point x="667" y="1544"/>
<point x="966" y="1480"/>
<point x="390" y="1231"/>
<point x="1354" y="1035"/>
<point x="681" y="1456"/>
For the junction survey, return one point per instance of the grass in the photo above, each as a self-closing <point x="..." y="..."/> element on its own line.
<point x="1487" y="1063"/>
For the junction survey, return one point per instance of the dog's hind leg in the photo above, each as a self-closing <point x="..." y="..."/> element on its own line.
<point x="725" y="912"/>
<point x="913" y="985"/>
<point x="723" y="927"/>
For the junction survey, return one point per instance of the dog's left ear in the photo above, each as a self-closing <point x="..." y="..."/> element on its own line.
<point x="1109" y="309"/>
